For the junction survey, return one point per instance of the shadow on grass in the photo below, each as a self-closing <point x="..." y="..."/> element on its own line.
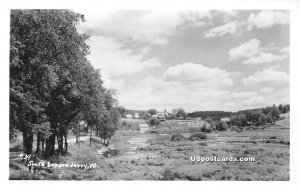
<point x="17" y="148"/>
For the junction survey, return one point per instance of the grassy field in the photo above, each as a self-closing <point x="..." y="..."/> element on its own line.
<point x="153" y="156"/>
<point x="131" y="124"/>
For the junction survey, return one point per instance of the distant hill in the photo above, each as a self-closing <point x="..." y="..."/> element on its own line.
<point x="214" y="115"/>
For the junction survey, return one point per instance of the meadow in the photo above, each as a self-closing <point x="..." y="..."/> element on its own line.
<point x="155" y="156"/>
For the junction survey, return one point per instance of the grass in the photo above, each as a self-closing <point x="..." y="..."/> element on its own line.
<point x="164" y="159"/>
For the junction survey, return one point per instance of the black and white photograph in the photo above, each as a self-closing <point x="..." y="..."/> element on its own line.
<point x="149" y="94"/>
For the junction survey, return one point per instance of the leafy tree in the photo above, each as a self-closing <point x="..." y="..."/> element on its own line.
<point x="221" y="126"/>
<point x="263" y="118"/>
<point x="243" y="120"/>
<point x="180" y="113"/>
<point x="172" y="116"/>
<point x="206" y="127"/>
<point x="269" y="118"/>
<point x="280" y="107"/>
<point x="253" y="117"/>
<point x="286" y="108"/>
<point x="233" y="120"/>
<point x="52" y="84"/>
<point x="152" y="111"/>
<point x="147" y="116"/>
<point x="121" y="111"/>
<point x="240" y="120"/>
<point x="208" y="119"/>
<point x="154" y="121"/>
<point x="275" y="113"/>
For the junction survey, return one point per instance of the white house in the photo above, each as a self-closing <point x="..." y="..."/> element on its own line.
<point x="128" y="116"/>
<point x="155" y="116"/>
<point x="143" y="127"/>
<point x="227" y="119"/>
<point x="136" y="115"/>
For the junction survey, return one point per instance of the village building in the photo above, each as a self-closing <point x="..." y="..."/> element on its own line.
<point x="155" y="116"/>
<point x="226" y="119"/>
<point x="136" y="115"/>
<point x="143" y="127"/>
<point x="128" y="116"/>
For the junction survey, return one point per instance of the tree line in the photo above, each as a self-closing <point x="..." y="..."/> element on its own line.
<point x="260" y="116"/>
<point x="52" y="84"/>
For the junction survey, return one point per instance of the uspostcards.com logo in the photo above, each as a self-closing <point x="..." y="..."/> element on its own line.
<point x="222" y="159"/>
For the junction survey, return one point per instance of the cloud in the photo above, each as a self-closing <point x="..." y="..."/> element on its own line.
<point x="115" y="60"/>
<point x="158" y="93"/>
<point x="255" y="101"/>
<point x="266" y="90"/>
<point x="191" y="72"/>
<point x="153" y="92"/>
<point x="264" y="58"/>
<point x="255" y="54"/>
<point x="122" y="42"/>
<point x="267" y="19"/>
<point x="266" y="76"/>
<point x="286" y="50"/>
<point x="229" y="28"/>
<point x="246" y="49"/>
<point x="144" y="26"/>
<point x="241" y="95"/>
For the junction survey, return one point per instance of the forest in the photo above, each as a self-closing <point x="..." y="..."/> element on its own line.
<point x="53" y="85"/>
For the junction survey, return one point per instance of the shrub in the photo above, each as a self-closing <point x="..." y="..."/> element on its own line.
<point x="236" y="128"/>
<point x="153" y="131"/>
<point x="177" y="137"/>
<point x="206" y="127"/>
<point x="168" y="174"/>
<point x="198" y="136"/>
<point x="171" y="174"/>
<point x="213" y="125"/>
<point x="221" y="126"/>
<point x="208" y="119"/>
<point x="154" y="121"/>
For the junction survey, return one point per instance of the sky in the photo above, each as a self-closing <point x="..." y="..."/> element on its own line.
<point x="225" y="60"/>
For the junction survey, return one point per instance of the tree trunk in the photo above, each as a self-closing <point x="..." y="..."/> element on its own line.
<point x="60" y="143"/>
<point x="91" y="136"/>
<point x="37" y="151"/>
<point x="27" y="142"/>
<point x="66" y="143"/>
<point x="43" y="145"/>
<point x="77" y="138"/>
<point x="50" y="146"/>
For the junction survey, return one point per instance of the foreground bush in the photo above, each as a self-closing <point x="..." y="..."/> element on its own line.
<point x="177" y="137"/>
<point x="170" y="174"/>
<point x="236" y="128"/>
<point x="198" y="136"/>
<point x="222" y="126"/>
<point x="154" y="121"/>
<point x="206" y="127"/>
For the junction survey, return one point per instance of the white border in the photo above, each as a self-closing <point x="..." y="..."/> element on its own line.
<point x="293" y="185"/>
